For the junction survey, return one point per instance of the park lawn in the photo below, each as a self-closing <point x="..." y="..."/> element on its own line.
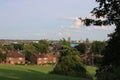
<point x="30" y="72"/>
<point x="92" y="71"/>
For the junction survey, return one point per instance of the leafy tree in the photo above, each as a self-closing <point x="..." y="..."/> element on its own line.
<point x="36" y="45"/>
<point x="28" y="50"/>
<point x="2" y="57"/>
<point x="63" y="42"/>
<point x="18" y="46"/>
<point x="97" y="47"/>
<point x="8" y="47"/>
<point x="69" y="63"/>
<point x="110" y="10"/>
<point x="43" y="46"/>
<point x="81" y="48"/>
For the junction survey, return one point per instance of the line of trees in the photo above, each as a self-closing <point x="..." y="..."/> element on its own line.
<point x="96" y="47"/>
<point x="27" y="48"/>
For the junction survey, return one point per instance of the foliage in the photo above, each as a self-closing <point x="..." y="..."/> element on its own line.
<point x="69" y="63"/>
<point x="81" y="48"/>
<point x="43" y="46"/>
<point x="18" y="46"/>
<point x="98" y="60"/>
<point x="110" y="10"/>
<point x="8" y="47"/>
<point x="111" y="62"/>
<point x="2" y="57"/>
<point x="63" y="42"/>
<point x="97" y="47"/>
<point x="36" y="45"/>
<point x="28" y="50"/>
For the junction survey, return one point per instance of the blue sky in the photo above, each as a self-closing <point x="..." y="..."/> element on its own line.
<point x="48" y="19"/>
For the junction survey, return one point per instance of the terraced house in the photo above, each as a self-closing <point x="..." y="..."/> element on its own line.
<point x="15" y="57"/>
<point x="43" y="59"/>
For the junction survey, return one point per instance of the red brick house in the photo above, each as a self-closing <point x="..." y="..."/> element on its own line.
<point x="84" y="58"/>
<point x="15" y="57"/>
<point x="88" y="58"/>
<point x="42" y="59"/>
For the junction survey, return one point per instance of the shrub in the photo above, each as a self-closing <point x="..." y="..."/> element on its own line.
<point x="69" y="63"/>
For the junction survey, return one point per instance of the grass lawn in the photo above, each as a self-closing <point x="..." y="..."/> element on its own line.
<point x="22" y="72"/>
<point x="91" y="70"/>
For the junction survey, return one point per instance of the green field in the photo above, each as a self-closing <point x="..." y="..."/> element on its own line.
<point x="22" y="72"/>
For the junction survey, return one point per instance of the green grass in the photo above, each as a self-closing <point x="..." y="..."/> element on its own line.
<point x="22" y="72"/>
<point x="92" y="71"/>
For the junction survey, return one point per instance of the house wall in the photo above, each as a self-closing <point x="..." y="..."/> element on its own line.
<point x="42" y="61"/>
<point x="11" y="60"/>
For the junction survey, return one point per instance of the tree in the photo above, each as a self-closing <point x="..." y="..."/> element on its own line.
<point x="69" y="63"/>
<point x="81" y="48"/>
<point x="8" y="47"/>
<point x="28" y="50"/>
<point x="43" y="46"/>
<point x="63" y="42"/>
<point x="18" y="46"/>
<point x="36" y="45"/>
<point x="110" y="10"/>
<point x="97" y="47"/>
<point x="2" y="57"/>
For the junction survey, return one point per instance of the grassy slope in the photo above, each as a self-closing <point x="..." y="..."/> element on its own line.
<point x="21" y="72"/>
<point x="91" y="70"/>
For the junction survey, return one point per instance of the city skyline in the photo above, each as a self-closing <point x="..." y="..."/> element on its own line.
<point x="48" y="19"/>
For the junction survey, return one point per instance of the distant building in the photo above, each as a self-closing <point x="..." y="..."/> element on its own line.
<point x="43" y="59"/>
<point x="15" y="57"/>
<point x="69" y="39"/>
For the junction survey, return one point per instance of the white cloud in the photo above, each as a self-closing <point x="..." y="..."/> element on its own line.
<point x="77" y="23"/>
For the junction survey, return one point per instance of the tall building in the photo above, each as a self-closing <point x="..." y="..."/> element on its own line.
<point x="69" y="39"/>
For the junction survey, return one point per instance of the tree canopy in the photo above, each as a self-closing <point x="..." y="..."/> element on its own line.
<point x="69" y="63"/>
<point x="81" y="48"/>
<point x="110" y="11"/>
<point x="43" y="46"/>
<point x="28" y="50"/>
<point x="98" y="47"/>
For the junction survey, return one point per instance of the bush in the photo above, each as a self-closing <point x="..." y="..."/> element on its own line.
<point x="108" y="73"/>
<point x="97" y="61"/>
<point x="0" y="60"/>
<point x="70" y="66"/>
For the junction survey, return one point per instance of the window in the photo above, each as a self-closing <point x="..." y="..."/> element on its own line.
<point x="45" y="58"/>
<point x="54" y="60"/>
<point x="10" y="58"/>
<point x="20" y="58"/>
<point x="39" y="62"/>
<point x="45" y="61"/>
<point x="39" y="59"/>
<point x="18" y="62"/>
<point x="12" y="62"/>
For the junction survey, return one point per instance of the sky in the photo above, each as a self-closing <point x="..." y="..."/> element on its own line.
<point x="49" y="19"/>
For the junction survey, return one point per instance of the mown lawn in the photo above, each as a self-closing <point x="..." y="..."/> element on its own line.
<point x="92" y="71"/>
<point x="22" y="72"/>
